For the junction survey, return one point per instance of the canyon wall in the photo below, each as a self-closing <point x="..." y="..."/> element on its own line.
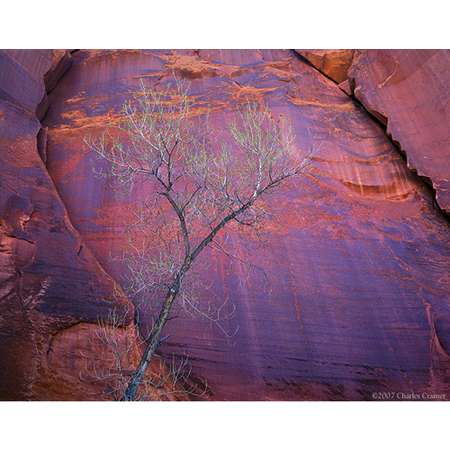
<point x="346" y="290"/>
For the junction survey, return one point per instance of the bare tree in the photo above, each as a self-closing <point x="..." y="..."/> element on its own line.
<point x="201" y="187"/>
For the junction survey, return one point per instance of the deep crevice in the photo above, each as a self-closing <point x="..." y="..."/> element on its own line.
<point x="426" y="182"/>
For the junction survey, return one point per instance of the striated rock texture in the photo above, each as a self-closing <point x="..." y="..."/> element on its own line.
<point x="409" y="90"/>
<point x="345" y="293"/>
<point x="52" y="288"/>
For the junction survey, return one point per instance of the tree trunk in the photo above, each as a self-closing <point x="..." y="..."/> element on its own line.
<point x="151" y="347"/>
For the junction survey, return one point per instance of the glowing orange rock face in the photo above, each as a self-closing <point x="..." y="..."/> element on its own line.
<point x="410" y="90"/>
<point x="333" y="63"/>
<point x="347" y="292"/>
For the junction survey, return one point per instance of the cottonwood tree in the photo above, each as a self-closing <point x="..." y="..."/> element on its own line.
<point x="200" y="184"/>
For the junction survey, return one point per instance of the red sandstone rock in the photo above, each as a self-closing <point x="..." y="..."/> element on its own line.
<point x="333" y="63"/>
<point x="52" y="289"/>
<point x="347" y="294"/>
<point x="409" y="89"/>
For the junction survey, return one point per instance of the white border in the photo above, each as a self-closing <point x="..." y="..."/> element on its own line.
<point x="226" y="425"/>
<point x="225" y="24"/>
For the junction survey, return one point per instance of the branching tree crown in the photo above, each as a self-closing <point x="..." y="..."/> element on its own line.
<point x="203" y="185"/>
